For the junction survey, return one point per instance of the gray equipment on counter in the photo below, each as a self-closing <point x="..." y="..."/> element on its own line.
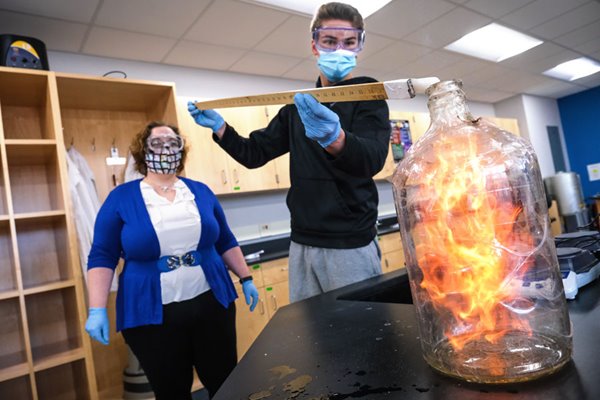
<point x="579" y="259"/>
<point x="565" y="188"/>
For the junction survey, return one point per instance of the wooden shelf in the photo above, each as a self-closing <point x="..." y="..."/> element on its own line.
<point x="41" y="215"/>
<point x="54" y="359"/>
<point x="13" y="371"/>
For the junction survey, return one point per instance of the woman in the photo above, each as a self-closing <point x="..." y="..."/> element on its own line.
<point x="175" y="303"/>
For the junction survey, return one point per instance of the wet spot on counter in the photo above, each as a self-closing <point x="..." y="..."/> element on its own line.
<point x="282" y="371"/>
<point x="361" y="373"/>
<point x="422" y="389"/>
<point x="298" y="385"/>
<point x="260" y="395"/>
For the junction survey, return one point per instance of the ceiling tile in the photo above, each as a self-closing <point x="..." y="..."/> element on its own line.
<point x="81" y="11"/>
<point x="474" y="93"/>
<point x="555" y="59"/>
<point x="264" y="64"/>
<point x="487" y="73"/>
<point x="540" y="11"/>
<point x="431" y="64"/>
<point x="193" y="54"/>
<point x="235" y="24"/>
<point x="373" y="44"/>
<point x="393" y="57"/>
<point x="448" y="28"/>
<point x="528" y="59"/>
<point x="305" y="71"/>
<point x="463" y="68"/>
<point x="292" y="38"/>
<point x="580" y="36"/>
<point x="378" y="75"/>
<point x="495" y="8"/>
<point x="589" y="81"/>
<point x="590" y="47"/>
<point x="158" y="17"/>
<point x="128" y="45"/>
<point x="401" y="17"/>
<point x="555" y="89"/>
<point x="570" y="21"/>
<point x="56" y="34"/>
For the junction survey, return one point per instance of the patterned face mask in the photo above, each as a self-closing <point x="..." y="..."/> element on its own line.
<point x="164" y="162"/>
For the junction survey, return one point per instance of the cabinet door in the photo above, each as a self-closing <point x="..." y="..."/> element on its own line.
<point x="245" y="120"/>
<point x="206" y="161"/>
<point x="392" y="261"/>
<point x="275" y="271"/>
<point x="249" y="324"/>
<point x="277" y="296"/>
<point x="508" y="124"/>
<point x="390" y="242"/>
<point x="282" y="163"/>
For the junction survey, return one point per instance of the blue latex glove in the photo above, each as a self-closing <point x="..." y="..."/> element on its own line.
<point x="250" y="293"/>
<point x="206" y="118"/>
<point x="97" y="325"/>
<point x="320" y="123"/>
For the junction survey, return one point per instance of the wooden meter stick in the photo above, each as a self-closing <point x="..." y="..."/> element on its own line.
<point x="397" y="89"/>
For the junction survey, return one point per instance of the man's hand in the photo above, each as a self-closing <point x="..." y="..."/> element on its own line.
<point x="320" y="123"/>
<point x="206" y="118"/>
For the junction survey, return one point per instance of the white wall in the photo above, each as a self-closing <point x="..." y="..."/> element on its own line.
<point x="534" y="115"/>
<point x="249" y="213"/>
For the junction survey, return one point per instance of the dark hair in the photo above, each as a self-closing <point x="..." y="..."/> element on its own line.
<point x="342" y="11"/>
<point x="138" y="146"/>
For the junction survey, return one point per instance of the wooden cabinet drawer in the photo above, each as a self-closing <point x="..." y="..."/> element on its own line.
<point x="390" y="242"/>
<point x="275" y="271"/>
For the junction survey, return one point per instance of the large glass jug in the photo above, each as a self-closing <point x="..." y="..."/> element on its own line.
<point x="481" y="260"/>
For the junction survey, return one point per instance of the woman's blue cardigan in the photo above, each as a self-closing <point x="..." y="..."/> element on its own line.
<point x="123" y="229"/>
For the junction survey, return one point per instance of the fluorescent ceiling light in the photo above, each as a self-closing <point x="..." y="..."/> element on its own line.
<point x="365" y="7"/>
<point x="493" y="42"/>
<point x="574" y="69"/>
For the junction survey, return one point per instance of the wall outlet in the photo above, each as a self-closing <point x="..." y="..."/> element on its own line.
<point x="264" y="229"/>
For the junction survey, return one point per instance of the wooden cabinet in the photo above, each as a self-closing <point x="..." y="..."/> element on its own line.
<point x="208" y="163"/>
<point x="271" y="280"/>
<point x="44" y="351"/>
<point x="392" y="254"/>
<point x="508" y="124"/>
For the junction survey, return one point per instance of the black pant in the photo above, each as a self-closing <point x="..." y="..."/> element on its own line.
<point x="197" y="333"/>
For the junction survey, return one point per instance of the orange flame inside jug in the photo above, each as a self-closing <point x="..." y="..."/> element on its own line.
<point x="466" y="273"/>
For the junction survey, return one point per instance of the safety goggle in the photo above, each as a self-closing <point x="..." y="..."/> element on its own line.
<point x="331" y="39"/>
<point x="165" y="143"/>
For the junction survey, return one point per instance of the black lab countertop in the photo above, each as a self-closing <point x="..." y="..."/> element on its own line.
<point x="361" y="342"/>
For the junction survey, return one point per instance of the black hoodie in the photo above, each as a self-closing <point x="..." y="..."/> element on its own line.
<point x="332" y="200"/>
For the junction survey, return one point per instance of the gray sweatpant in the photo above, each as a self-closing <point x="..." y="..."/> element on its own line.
<point x="315" y="270"/>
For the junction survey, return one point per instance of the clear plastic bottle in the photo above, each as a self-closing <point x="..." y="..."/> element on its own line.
<point x="482" y="264"/>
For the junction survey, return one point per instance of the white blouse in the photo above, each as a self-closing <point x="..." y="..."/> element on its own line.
<point x="177" y="225"/>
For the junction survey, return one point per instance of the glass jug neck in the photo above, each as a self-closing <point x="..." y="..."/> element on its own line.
<point x="447" y="103"/>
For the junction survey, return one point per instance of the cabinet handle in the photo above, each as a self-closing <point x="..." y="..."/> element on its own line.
<point x="223" y="177"/>
<point x="277" y="178"/>
<point x="262" y="307"/>
<point x="387" y="264"/>
<point x="235" y="176"/>
<point x="274" y="302"/>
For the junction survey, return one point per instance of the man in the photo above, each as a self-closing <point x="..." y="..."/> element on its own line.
<point x="335" y="150"/>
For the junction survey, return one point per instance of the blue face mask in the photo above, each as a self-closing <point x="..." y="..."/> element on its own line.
<point x="336" y="65"/>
